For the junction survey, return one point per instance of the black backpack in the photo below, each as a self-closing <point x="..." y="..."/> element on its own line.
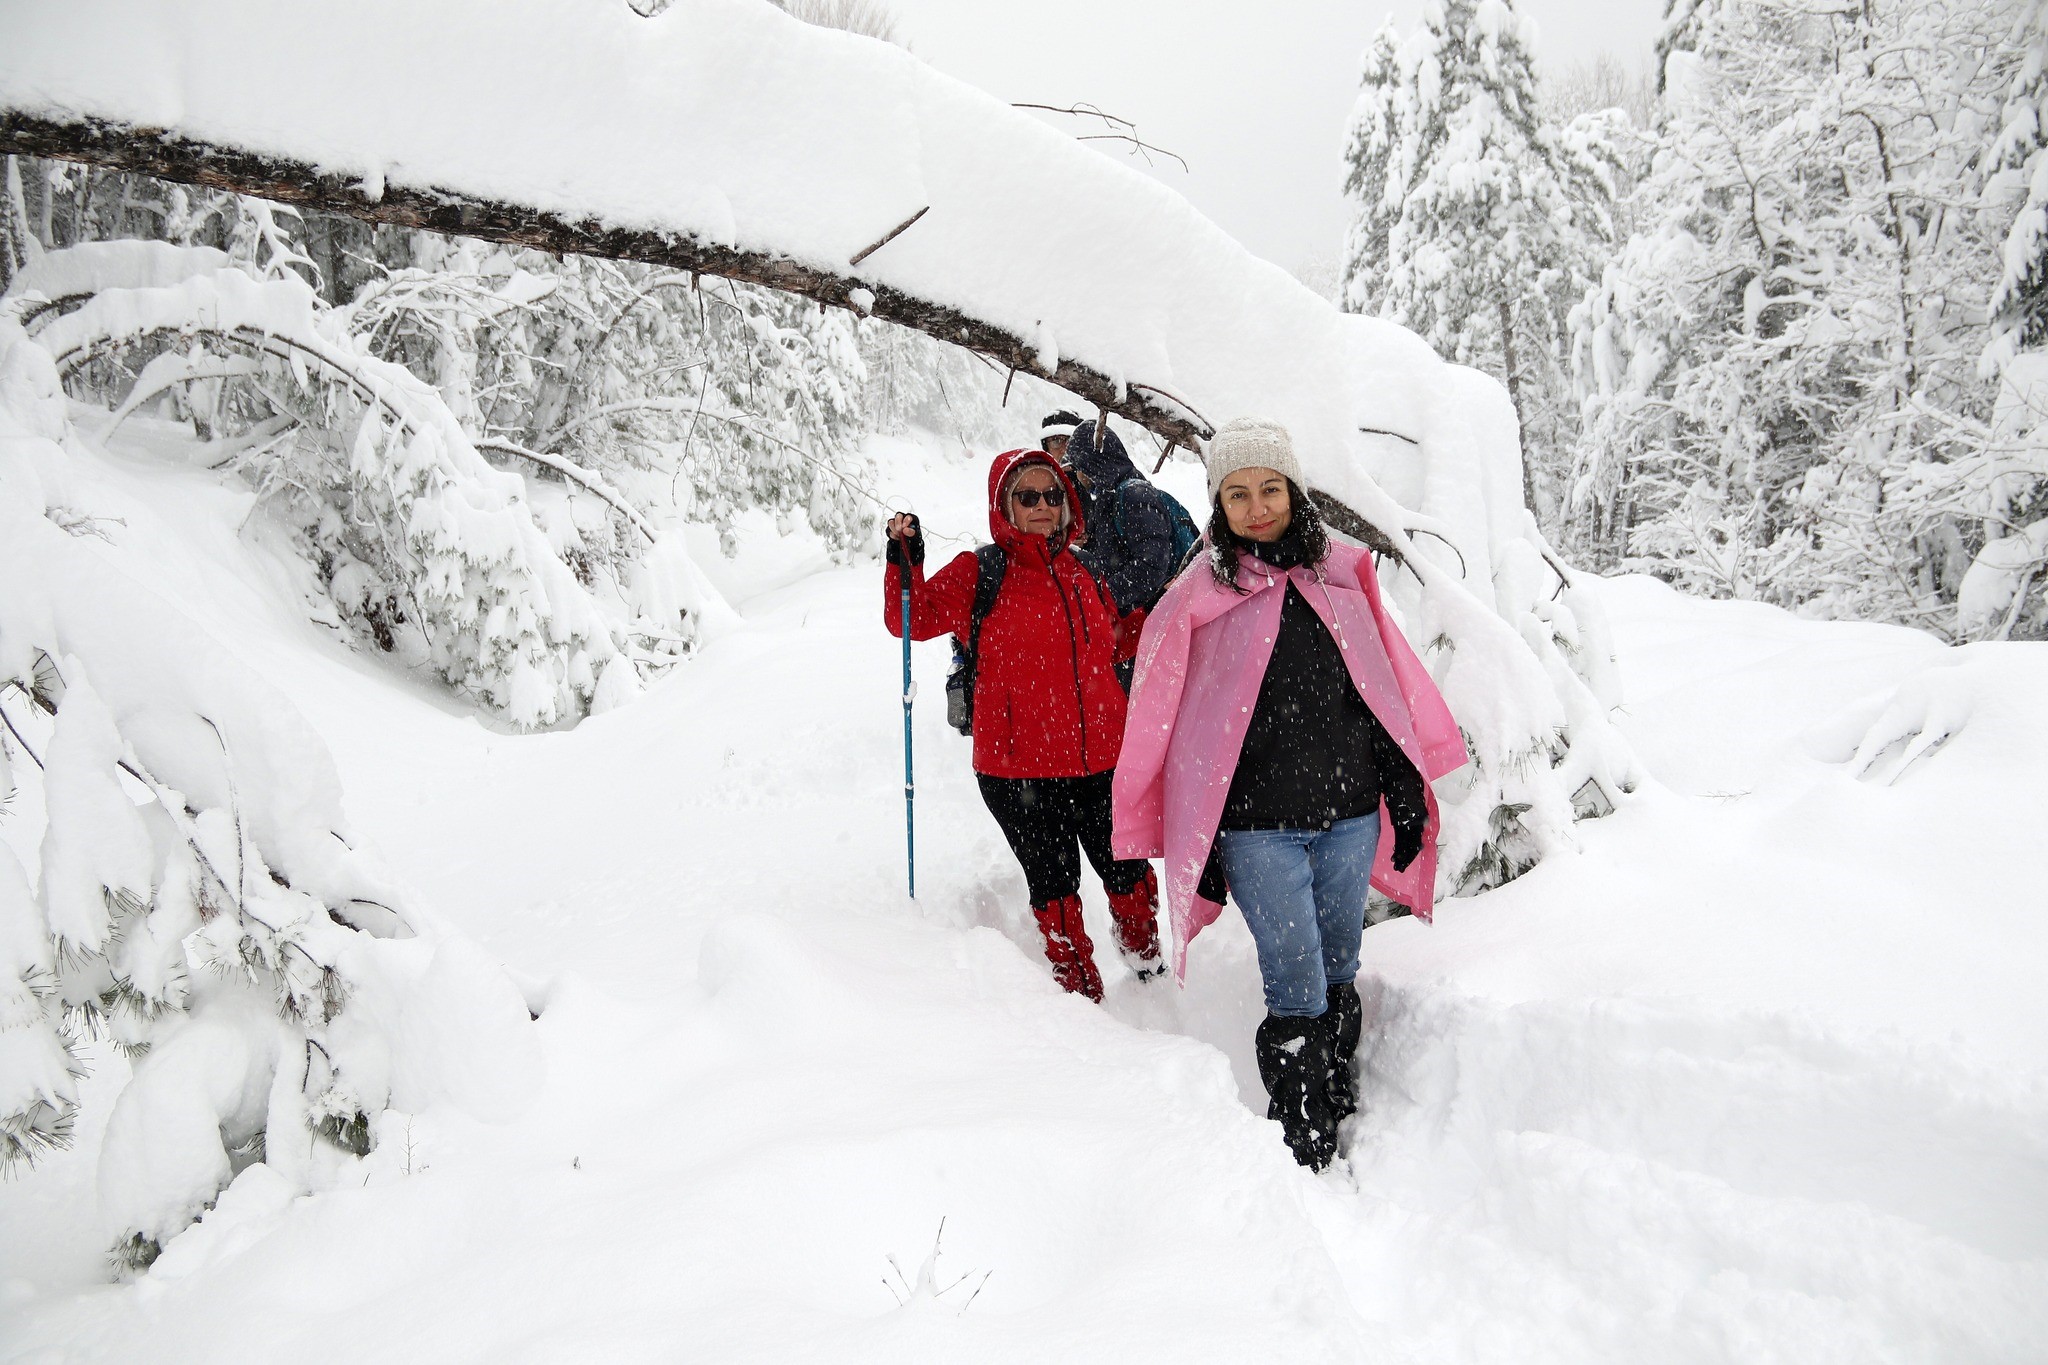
<point x="990" y="563"/>
<point x="1186" y="535"/>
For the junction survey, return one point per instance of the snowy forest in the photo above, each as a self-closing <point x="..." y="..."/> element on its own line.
<point x="1766" y="322"/>
<point x="454" y="776"/>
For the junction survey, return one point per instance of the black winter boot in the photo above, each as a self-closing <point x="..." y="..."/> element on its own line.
<point x="1294" y="1062"/>
<point x="1345" y="1017"/>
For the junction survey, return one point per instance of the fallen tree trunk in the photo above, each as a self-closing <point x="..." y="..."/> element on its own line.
<point x="168" y="156"/>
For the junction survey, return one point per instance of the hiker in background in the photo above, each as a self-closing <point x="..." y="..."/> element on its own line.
<point x="1047" y="713"/>
<point x="1054" y="433"/>
<point x="1282" y="740"/>
<point x="1140" y="533"/>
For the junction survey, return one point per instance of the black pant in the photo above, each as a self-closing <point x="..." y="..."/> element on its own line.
<point x="1042" y="817"/>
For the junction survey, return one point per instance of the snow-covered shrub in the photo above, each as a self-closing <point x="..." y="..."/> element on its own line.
<point x="421" y="544"/>
<point x="697" y="396"/>
<point x="200" y="904"/>
<point x="626" y="397"/>
<point x="1519" y="648"/>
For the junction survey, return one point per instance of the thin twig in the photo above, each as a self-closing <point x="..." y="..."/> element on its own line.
<point x="1425" y="531"/>
<point x="234" y="811"/>
<point x="683" y="457"/>
<point x="1382" y="431"/>
<point x="1121" y="129"/>
<point x="9" y="721"/>
<point x="1144" y="149"/>
<point x="1208" y="428"/>
<point x="891" y="235"/>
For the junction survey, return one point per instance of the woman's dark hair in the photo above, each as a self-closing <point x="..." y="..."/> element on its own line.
<point x="1305" y="522"/>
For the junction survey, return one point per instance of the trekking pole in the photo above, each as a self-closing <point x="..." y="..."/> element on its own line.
<point x="909" y="771"/>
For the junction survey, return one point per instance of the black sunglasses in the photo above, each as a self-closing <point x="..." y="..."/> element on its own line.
<point x="1028" y="497"/>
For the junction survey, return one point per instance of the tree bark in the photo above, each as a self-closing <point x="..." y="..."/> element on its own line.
<point x="1513" y="380"/>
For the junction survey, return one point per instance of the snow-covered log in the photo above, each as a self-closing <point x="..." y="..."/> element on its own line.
<point x="169" y="157"/>
<point x="723" y="136"/>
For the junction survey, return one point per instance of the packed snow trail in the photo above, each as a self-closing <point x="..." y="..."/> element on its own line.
<point x="1754" y="1078"/>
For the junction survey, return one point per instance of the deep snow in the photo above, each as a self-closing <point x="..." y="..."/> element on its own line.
<point x="1755" y="1076"/>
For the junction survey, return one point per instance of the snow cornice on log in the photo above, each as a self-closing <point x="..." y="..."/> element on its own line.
<point x="167" y="155"/>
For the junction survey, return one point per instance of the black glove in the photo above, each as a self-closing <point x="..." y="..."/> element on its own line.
<point x="1407" y="809"/>
<point x="1213" y="886"/>
<point x="911" y="545"/>
<point x="1408" y="827"/>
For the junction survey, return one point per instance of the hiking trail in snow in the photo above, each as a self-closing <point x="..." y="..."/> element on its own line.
<point x="1754" y="1076"/>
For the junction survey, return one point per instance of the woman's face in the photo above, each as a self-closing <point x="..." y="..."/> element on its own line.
<point x="1045" y="518"/>
<point x="1255" y="503"/>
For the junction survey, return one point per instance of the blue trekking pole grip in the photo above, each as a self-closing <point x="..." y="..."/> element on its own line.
<point x="909" y="770"/>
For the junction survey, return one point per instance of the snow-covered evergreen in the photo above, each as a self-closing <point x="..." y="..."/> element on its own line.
<point x="2018" y="166"/>
<point x="1477" y="220"/>
<point x="201" y="903"/>
<point x="419" y="544"/>
<point x="1374" y="191"/>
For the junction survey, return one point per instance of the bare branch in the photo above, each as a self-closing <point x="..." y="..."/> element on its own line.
<point x="1121" y="129"/>
<point x="891" y="235"/>
<point x="576" y="473"/>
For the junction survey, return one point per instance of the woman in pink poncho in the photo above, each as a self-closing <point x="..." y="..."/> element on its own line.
<point x="1279" y="724"/>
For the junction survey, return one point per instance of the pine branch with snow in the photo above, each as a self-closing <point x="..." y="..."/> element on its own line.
<point x="200" y="906"/>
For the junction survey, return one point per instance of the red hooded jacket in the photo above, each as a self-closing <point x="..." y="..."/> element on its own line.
<point x="1046" y="699"/>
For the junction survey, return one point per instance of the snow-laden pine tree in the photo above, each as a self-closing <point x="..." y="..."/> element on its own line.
<point x="1779" y="369"/>
<point x="17" y="243"/>
<point x="199" y="907"/>
<point x="2005" y="590"/>
<point x="1679" y="32"/>
<point x="1491" y="216"/>
<point x="1374" y="195"/>
<point x="2018" y="162"/>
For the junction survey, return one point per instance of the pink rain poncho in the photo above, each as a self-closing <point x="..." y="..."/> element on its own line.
<point x="1200" y="663"/>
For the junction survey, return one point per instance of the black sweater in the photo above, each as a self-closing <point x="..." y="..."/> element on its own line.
<point x="1308" y="756"/>
<point x="1314" y="753"/>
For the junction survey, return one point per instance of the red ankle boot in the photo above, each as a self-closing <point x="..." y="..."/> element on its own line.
<point x="1068" y="948"/>
<point x="1136" y="912"/>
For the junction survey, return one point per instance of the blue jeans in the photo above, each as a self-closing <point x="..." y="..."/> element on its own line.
<point x="1303" y="893"/>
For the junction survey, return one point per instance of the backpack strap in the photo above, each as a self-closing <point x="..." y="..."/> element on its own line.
<point x="989" y="566"/>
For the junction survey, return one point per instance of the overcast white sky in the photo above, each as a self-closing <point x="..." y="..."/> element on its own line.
<point x="1254" y="95"/>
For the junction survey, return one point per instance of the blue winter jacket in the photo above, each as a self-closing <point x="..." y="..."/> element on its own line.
<point x="1130" y="539"/>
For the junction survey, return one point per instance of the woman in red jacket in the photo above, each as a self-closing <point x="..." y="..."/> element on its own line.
<point x="1048" y="710"/>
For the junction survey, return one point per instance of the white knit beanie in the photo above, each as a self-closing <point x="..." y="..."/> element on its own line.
<point x="1250" y="443"/>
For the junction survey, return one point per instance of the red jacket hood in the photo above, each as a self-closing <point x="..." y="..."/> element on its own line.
<point x="999" y="527"/>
